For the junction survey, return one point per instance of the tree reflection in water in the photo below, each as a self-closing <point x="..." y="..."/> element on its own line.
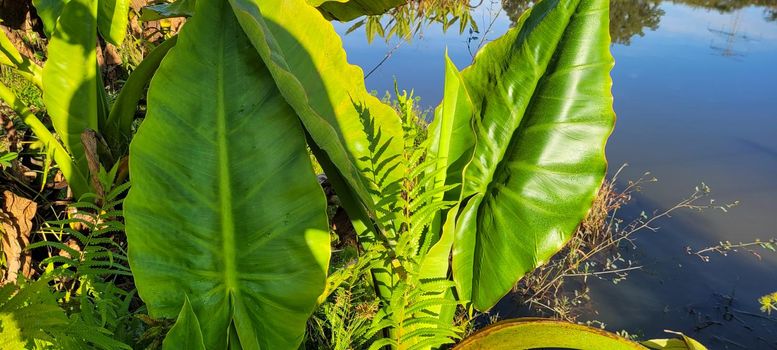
<point x="629" y="18"/>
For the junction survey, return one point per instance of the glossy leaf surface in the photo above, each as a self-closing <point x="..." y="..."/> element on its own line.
<point x="71" y="81"/>
<point x="543" y="112"/>
<point x="356" y="131"/>
<point x="534" y="333"/>
<point x="224" y="205"/>
<point x="451" y="131"/>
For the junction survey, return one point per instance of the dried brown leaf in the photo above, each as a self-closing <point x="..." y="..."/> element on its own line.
<point x="16" y="222"/>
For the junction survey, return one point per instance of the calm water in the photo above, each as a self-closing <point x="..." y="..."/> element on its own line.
<point x="696" y="98"/>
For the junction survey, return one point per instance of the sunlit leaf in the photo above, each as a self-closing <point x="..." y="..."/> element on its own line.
<point x="536" y="333"/>
<point x="542" y="114"/>
<point x="113" y="19"/>
<point x="72" y="87"/>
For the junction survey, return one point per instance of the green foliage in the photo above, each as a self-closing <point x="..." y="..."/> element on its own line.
<point x="186" y="333"/>
<point x="71" y="82"/>
<point x="542" y="115"/>
<point x="408" y="309"/>
<point x="76" y="304"/>
<point x="411" y="311"/>
<point x="533" y="333"/>
<point x="409" y="19"/>
<point x="233" y="217"/>
<point x="6" y="158"/>
<point x="89" y="266"/>
<point x="180" y="8"/>
<point x="25" y="90"/>
<point x="379" y="162"/>
<point x="30" y="318"/>
<point x="346" y="10"/>
<point x="112" y="20"/>
<point x="124" y="108"/>
<point x="684" y="342"/>
<point x="225" y="220"/>
<point x="327" y="94"/>
<point x="342" y="320"/>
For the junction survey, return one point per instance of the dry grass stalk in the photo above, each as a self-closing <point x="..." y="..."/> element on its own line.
<point x="593" y="249"/>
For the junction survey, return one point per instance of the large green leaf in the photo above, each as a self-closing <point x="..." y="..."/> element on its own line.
<point x="358" y="133"/>
<point x="346" y="10"/>
<point x="535" y="333"/>
<point x="359" y="136"/>
<point x="224" y="205"/>
<point x="543" y="113"/>
<point x="71" y="81"/>
<point x="113" y="20"/>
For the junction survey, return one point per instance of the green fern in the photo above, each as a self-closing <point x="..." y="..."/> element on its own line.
<point x="86" y="262"/>
<point x="347" y="309"/>
<point x="30" y="318"/>
<point x="406" y="315"/>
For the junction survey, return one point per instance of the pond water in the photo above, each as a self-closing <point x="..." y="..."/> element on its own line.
<point x="696" y="97"/>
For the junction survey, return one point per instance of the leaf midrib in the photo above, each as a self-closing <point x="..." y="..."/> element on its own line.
<point x="225" y="186"/>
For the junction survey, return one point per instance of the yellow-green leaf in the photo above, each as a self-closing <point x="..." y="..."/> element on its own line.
<point x="71" y="83"/>
<point x="535" y="333"/>
<point x="113" y="19"/>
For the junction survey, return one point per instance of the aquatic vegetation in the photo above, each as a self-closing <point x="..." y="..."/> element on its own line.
<point x="768" y="302"/>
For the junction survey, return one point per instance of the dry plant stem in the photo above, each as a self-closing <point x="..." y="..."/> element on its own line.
<point x="488" y="30"/>
<point x="724" y="248"/>
<point x="599" y="232"/>
<point x="386" y="57"/>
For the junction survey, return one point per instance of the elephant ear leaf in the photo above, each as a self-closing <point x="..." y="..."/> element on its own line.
<point x="346" y="10"/>
<point x="360" y="135"/>
<point x="543" y="113"/>
<point x="224" y="205"/>
<point x="113" y="20"/>
<point x="72" y="88"/>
